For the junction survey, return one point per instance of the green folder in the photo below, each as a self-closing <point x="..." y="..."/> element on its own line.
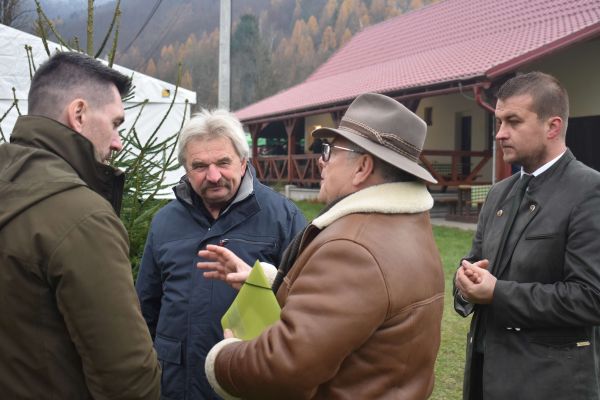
<point x="254" y="308"/>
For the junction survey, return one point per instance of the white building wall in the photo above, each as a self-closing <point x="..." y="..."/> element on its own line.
<point x="578" y="69"/>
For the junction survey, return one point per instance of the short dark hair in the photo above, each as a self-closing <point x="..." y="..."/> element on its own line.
<point x="68" y="75"/>
<point x="550" y="98"/>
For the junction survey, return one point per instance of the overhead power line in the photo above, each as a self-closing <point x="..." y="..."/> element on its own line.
<point x="152" y="12"/>
<point x="162" y="36"/>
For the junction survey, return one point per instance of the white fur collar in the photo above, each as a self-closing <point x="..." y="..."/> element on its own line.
<point x="387" y="198"/>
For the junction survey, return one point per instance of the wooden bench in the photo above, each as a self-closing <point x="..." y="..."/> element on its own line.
<point x="448" y="199"/>
<point x="472" y="197"/>
<point x="444" y="171"/>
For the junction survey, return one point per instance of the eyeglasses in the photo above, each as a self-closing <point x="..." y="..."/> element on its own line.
<point x="326" y="150"/>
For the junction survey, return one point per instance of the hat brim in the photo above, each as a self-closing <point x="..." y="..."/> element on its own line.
<point x="379" y="151"/>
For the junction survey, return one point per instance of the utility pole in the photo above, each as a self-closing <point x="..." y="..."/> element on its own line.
<point x="224" y="54"/>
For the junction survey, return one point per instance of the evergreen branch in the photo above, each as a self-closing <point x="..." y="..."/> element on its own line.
<point x="14" y="104"/>
<point x="113" y="50"/>
<point x="76" y="44"/>
<point x="43" y="35"/>
<point x="169" y="159"/>
<point x="127" y="139"/>
<point x="42" y="16"/>
<point x="90" y="28"/>
<point x="16" y="101"/>
<point x="30" y="60"/>
<point x="110" y="29"/>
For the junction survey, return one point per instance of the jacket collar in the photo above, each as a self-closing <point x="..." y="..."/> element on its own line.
<point x="559" y="165"/>
<point x="388" y="198"/>
<point x="50" y="135"/>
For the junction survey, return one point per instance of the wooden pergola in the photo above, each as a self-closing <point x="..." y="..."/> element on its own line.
<point x="302" y="169"/>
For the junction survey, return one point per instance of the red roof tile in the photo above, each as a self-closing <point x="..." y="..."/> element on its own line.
<point x="450" y="41"/>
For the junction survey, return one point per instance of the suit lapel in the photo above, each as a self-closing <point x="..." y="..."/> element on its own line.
<point x="499" y="221"/>
<point x="539" y="190"/>
<point x="529" y="209"/>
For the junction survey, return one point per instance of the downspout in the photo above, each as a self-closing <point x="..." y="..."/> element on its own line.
<point x="479" y="99"/>
<point x="477" y="91"/>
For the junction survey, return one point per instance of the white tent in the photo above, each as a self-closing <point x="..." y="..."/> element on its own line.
<point x="15" y="72"/>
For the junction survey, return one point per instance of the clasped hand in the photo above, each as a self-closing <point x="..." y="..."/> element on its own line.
<point x="475" y="283"/>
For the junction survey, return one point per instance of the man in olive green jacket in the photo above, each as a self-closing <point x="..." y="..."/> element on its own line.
<point x="71" y="326"/>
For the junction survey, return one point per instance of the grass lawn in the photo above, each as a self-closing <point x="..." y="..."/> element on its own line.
<point x="453" y="244"/>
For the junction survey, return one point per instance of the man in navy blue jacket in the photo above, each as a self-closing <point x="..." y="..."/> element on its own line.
<point x="217" y="202"/>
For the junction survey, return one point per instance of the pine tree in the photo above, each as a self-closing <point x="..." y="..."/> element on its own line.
<point x="250" y="63"/>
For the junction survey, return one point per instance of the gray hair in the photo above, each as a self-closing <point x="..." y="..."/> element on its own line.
<point x="388" y="172"/>
<point x="209" y="124"/>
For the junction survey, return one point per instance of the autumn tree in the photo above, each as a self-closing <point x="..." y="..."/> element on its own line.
<point x="295" y="58"/>
<point x="328" y="42"/>
<point x="279" y="48"/>
<point x="328" y="14"/>
<point x="167" y="66"/>
<point x="298" y="10"/>
<point x="347" y="20"/>
<point x="186" y="80"/>
<point x="204" y="68"/>
<point x="313" y="27"/>
<point x="133" y="58"/>
<point x="151" y="68"/>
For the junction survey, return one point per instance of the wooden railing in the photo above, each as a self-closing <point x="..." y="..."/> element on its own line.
<point x="450" y="168"/>
<point x="271" y="169"/>
<point x="274" y="169"/>
<point x="447" y="168"/>
<point x="306" y="168"/>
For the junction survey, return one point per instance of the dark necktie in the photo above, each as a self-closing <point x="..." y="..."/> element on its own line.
<point x="521" y="188"/>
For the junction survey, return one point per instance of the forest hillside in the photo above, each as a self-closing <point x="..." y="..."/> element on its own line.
<point x="275" y="43"/>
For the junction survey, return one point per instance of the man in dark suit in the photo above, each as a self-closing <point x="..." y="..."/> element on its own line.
<point x="532" y="277"/>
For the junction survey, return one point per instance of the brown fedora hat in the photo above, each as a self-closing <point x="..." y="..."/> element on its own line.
<point x="386" y="129"/>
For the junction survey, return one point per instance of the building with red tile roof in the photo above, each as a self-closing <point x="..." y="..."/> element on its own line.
<point x="448" y="57"/>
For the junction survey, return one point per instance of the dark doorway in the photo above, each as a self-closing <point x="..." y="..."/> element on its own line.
<point x="465" y="144"/>
<point x="583" y="138"/>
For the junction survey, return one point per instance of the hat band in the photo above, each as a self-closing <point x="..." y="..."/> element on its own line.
<point x="389" y="140"/>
